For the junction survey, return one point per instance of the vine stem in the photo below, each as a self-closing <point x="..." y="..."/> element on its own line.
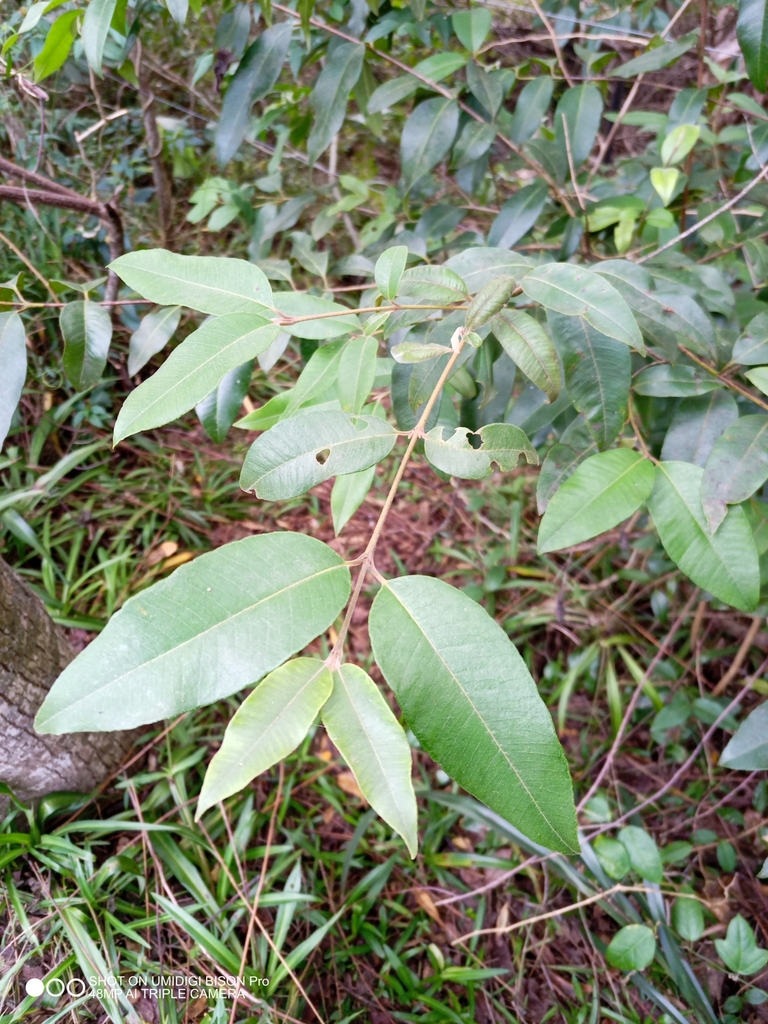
<point x="333" y="660"/>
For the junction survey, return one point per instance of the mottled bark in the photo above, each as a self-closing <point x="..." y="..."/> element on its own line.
<point x="33" y="651"/>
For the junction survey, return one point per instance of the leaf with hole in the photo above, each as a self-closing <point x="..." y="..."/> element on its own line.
<point x="152" y="335"/>
<point x="528" y="346"/>
<point x="210" y="284"/>
<point x="747" y="750"/>
<point x="87" y="331"/>
<point x="632" y="948"/>
<point x="217" y="624"/>
<point x="427" y="137"/>
<point x="736" y="467"/>
<point x="13" y="368"/>
<point x="603" y="491"/>
<point x="330" y="94"/>
<point x="270" y="723"/>
<point x="300" y="452"/>
<point x="501" y="446"/>
<point x="219" y="410"/>
<point x="256" y="74"/>
<point x="193" y="370"/>
<point x="372" y="742"/>
<point x="448" y="661"/>
<point x="576" y="291"/>
<point x="518" y="215"/>
<point x="726" y="563"/>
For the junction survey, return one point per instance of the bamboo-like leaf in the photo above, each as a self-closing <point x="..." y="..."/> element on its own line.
<point x="427" y="136"/>
<point x="219" y="410"/>
<point x="357" y="372"/>
<point x="330" y="94"/>
<point x="518" y="215"/>
<point x="87" y="331"/>
<point x="98" y="17"/>
<point x="153" y="334"/>
<point x="13" y="368"/>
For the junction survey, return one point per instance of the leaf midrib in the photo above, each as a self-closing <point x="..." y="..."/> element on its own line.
<point x="590" y="303"/>
<point x="480" y="718"/>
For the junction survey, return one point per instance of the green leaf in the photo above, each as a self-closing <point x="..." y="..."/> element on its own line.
<point x="597" y="373"/>
<point x="267" y="415"/>
<point x="210" y="284"/>
<point x="320" y="373"/>
<point x="372" y="742"/>
<point x="664" y="181"/>
<point x="656" y="58"/>
<point x="87" y="331"/>
<point x="256" y="74"/>
<point x="576" y="291"/>
<point x="98" y="17"/>
<point x="300" y="452"/>
<point x="217" y="624"/>
<point x="581" y="108"/>
<point x="679" y="143"/>
<point x="663" y="381"/>
<point x="418" y="352"/>
<point x="643" y="853"/>
<point x="751" y="349"/>
<point x="502" y="444"/>
<point x="389" y="270"/>
<point x="300" y="304"/>
<point x="479" y="266"/>
<point x="613" y="857"/>
<point x="428" y="281"/>
<point x="219" y="410"/>
<point x="632" y="948"/>
<point x="13" y="368"/>
<point x="688" y="918"/>
<point x="725" y="564"/>
<point x="448" y="661"/>
<point x="752" y="34"/>
<point x="348" y="493"/>
<point x="603" y="491"/>
<point x="193" y="370"/>
<point x="747" y="750"/>
<point x="427" y="136"/>
<point x="738" y="950"/>
<point x="655" y="318"/>
<point x="528" y="346"/>
<point x="268" y="726"/>
<point x="58" y="43"/>
<point x="472" y="27"/>
<point x="485" y="87"/>
<point x="759" y="377"/>
<point x="737" y="466"/>
<point x="153" y="334"/>
<point x="474" y="141"/>
<point x="532" y="105"/>
<point x="435" y="68"/>
<point x="490" y="300"/>
<point x="178" y="10"/>
<point x="329" y="96"/>
<point x="357" y="372"/>
<point x="518" y="215"/>
<point x="560" y="463"/>
<point x="696" y="424"/>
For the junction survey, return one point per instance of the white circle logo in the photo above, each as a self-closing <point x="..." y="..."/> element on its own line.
<point x="35" y="987"/>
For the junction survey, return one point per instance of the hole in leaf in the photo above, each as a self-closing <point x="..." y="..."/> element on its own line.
<point x="323" y="456"/>
<point x="475" y="440"/>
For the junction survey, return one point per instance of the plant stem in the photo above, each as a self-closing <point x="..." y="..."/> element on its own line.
<point x="723" y="379"/>
<point x="366" y="562"/>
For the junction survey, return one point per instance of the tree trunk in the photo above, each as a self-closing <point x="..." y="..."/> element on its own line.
<point x="33" y="651"/>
